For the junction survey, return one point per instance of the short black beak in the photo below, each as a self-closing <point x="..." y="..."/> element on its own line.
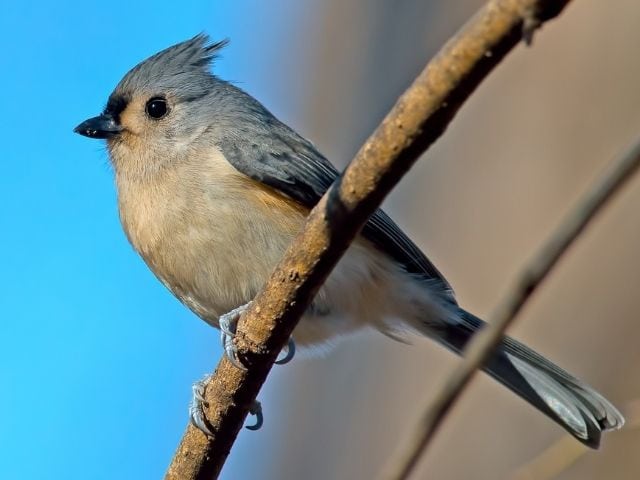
<point x="102" y="126"/>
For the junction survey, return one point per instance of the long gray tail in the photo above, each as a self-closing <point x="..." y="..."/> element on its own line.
<point x="574" y="405"/>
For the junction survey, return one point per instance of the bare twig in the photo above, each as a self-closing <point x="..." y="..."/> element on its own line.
<point x="554" y="460"/>
<point x="481" y="347"/>
<point x="419" y="117"/>
<point x="564" y="453"/>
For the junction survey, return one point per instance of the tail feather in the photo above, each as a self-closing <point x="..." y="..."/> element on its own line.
<point x="574" y="405"/>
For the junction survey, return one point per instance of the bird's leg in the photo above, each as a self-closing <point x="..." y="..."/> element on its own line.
<point x="228" y="324"/>
<point x="196" y="410"/>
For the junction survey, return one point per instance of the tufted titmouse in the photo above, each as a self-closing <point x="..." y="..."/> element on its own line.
<point x="212" y="188"/>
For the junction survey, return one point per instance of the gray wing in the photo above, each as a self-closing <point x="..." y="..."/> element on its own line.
<point x="280" y="158"/>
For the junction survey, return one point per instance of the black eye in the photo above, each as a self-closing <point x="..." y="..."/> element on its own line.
<point x="157" y="107"/>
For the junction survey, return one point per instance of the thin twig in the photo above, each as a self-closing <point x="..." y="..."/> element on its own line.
<point x="419" y="117"/>
<point x="481" y="347"/>
<point x="564" y="453"/>
<point x="554" y="460"/>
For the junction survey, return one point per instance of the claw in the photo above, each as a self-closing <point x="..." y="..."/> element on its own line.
<point x="256" y="410"/>
<point x="196" y="411"/>
<point x="289" y="353"/>
<point x="228" y="323"/>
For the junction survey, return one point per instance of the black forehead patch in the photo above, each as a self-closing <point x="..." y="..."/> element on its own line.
<point x="116" y="105"/>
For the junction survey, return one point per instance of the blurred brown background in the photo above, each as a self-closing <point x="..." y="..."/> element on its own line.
<point x="532" y="138"/>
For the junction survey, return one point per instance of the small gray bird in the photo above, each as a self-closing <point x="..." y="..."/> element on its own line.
<point x="212" y="188"/>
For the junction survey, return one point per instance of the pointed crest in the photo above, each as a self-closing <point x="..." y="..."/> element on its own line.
<point x="181" y="68"/>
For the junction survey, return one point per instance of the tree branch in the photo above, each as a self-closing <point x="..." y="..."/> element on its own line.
<point x="483" y="344"/>
<point x="565" y="452"/>
<point x="419" y="117"/>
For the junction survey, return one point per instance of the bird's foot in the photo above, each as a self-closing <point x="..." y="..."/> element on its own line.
<point x="196" y="409"/>
<point x="228" y="325"/>
<point x="256" y="410"/>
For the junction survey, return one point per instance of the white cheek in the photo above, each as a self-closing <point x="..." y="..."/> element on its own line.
<point x="185" y="142"/>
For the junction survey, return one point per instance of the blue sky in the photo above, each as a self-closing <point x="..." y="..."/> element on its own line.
<point x="96" y="358"/>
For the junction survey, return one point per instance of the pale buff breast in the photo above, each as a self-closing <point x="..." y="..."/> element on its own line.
<point x="209" y="233"/>
<point x="213" y="237"/>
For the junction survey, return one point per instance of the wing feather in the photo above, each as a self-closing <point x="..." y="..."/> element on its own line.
<point x="293" y="166"/>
